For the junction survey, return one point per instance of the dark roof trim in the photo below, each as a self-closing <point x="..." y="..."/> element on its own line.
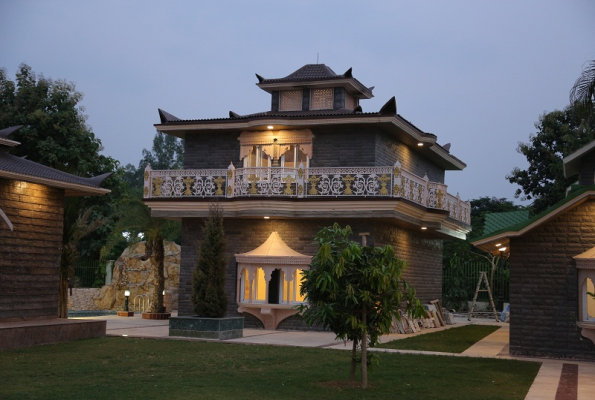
<point x="572" y="200"/>
<point x="4" y="140"/>
<point x="390" y="108"/>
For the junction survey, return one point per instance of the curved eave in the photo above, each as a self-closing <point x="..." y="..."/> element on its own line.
<point x="394" y="124"/>
<point x="398" y="211"/>
<point x="352" y="85"/>
<point x="71" y="189"/>
<point x="488" y="243"/>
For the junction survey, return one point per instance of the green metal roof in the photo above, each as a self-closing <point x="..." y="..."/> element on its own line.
<point x="539" y="218"/>
<point x="497" y="221"/>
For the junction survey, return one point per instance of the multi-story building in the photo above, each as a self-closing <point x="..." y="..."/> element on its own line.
<point x="314" y="159"/>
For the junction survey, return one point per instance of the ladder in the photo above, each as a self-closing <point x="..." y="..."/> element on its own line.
<point x="483" y="277"/>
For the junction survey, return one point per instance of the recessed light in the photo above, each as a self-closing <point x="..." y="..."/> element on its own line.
<point x="499" y="244"/>
<point x="423" y="228"/>
<point x="502" y="249"/>
<point x="267" y="217"/>
<point x="420" y="144"/>
<point x="270" y="127"/>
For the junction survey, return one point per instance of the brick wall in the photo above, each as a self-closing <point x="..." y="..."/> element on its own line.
<point x="389" y="150"/>
<point x="30" y="255"/>
<point x="343" y="147"/>
<point x="543" y="286"/>
<point x="423" y="255"/>
<point x="212" y="150"/>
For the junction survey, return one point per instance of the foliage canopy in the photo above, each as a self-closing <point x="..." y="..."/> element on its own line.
<point x="354" y="291"/>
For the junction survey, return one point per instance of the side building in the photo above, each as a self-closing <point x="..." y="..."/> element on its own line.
<point x="314" y="159"/>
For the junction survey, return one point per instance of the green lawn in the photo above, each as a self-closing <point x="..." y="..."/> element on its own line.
<point x="130" y="368"/>
<point x="453" y="340"/>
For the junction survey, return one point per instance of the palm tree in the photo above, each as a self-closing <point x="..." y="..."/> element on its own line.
<point x="135" y="218"/>
<point x="582" y="94"/>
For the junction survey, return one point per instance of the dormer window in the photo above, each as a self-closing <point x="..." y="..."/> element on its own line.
<point x="290" y="100"/>
<point x="321" y="99"/>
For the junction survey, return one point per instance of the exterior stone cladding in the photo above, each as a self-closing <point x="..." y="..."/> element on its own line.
<point x="543" y="286"/>
<point x="30" y="260"/>
<point x="423" y="255"/>
<point x="348" y="146"/>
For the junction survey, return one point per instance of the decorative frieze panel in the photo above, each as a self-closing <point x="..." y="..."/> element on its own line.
<point x="302" y="182"/>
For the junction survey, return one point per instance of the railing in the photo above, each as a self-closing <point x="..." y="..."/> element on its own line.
<point x="304" y="182"/>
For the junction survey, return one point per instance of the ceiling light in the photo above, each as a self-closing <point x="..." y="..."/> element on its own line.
<point x="502" y="249"/>
<point x="267" y="217"/>
<point x="423" y="228"/>
<point x="420" y="144"/>
<point x="270" y="127"/>
<point x="499" y="244"/>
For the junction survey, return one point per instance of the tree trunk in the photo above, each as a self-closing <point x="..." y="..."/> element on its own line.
<point x="364" y="352"/>
<point x="63" y="298"/>
<point x="159" y="253"/>
<point x="353" y="361"/>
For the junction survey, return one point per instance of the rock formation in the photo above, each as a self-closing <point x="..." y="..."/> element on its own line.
<point x="131" y="273"/>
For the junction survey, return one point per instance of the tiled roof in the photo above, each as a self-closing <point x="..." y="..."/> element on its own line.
<point x="308" y="72"/>
<point x="21" y="166"/>
<point x="11" y="166"/>
<point x="497" y="221"/>
<point x="539" y="218"/>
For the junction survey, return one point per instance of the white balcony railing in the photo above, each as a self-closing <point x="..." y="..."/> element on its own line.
<point x="391" y="182"/>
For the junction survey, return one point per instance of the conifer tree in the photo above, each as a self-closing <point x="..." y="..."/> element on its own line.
<point x="208" y="295"/>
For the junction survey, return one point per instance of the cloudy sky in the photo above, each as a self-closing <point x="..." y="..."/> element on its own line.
<point x="476" y="73"/>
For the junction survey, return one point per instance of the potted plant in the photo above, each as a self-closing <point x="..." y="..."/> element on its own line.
<point x="208" y="297"/>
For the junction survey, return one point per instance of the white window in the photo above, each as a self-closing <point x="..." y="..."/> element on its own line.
<point x="290" y="100"/>
<point x="321" y="99"/>
<point x="294" y="157"/>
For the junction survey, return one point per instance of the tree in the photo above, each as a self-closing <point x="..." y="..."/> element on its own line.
<point x="135" y="218"/>
<point x="77" y="225"/>
<point x="355" y="291"/>
<point x="582" y="94"/>
<point x="208" y="294"/>
<point x="55" y="134"/>
<point x="167" y="153"/>
<point x="558" y="135"/>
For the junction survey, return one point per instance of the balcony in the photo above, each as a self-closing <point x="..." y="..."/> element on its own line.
<point x="305" y="183"/>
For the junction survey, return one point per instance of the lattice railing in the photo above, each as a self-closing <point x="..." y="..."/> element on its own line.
<point x="304" y="182"/>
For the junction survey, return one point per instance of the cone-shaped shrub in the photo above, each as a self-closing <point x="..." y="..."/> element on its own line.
<point x="208" y="293"/>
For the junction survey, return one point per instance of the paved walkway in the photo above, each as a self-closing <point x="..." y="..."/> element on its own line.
<point x="556" y="380"/>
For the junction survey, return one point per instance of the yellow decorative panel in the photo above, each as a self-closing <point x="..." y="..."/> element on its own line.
<point x="298" y="296"/>
<point x="321" y="99"/>
<point x="261" y="285"/>
<point x="590" y="299"/>
<point x="290" y="100"/>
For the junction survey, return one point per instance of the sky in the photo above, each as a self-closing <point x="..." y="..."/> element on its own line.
<point x="478" y="74"/>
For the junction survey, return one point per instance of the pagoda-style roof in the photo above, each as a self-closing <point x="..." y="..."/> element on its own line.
<point x="316" y="75"/>
<point x="273" y="251"/>
<point x="18" y="168"/>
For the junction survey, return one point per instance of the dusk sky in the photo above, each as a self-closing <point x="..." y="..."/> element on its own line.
<point x="477" y="74"/>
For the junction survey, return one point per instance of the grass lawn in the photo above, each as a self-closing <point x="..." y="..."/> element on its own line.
<point x="121" y="368"/>
<point x="453" y="340"/>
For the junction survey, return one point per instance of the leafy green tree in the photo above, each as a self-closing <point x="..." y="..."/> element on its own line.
<point x="558" y="135"/>
<point x="355" y="291"/>
<point x="167" y="153"/>
<point x="208" y="295"/>
<point x="55" y="134"/>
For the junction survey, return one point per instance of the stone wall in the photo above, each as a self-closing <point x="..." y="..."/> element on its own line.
<point x="543" y="286"/>
<point x="82" y="299"/>
<point x="30" y="259"/>
<point x="423" y="255"/>
<point x="132" y="273"/>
